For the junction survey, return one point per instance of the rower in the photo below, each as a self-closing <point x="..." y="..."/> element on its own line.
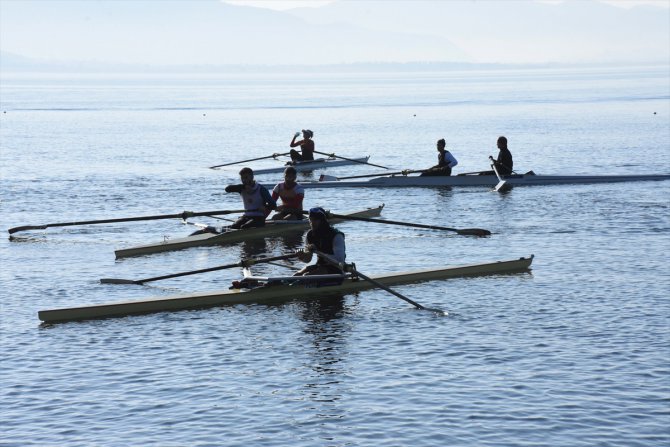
<point x="504" y="163"/>
<point x="306" y="146"/>
<point x="256" y="198"/>
<point x="445" y="161"/>
<point x="291" y="194"/>
<point x="323" y="238"/>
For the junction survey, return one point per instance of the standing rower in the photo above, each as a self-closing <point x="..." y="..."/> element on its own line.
<point x="257" y="201"/>
<point x="325" y="239"/>
<point x="291" y="194"/>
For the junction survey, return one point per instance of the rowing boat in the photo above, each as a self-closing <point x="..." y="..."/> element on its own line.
<point x="399" y="181"/>
<point x="274" y="293"/>
<point x="229" y="236"/>
<point x="319" y="163"/>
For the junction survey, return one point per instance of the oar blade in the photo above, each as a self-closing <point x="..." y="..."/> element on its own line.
<point x="27" y="227"/>
<point x="328" y="178"/>
<point x="118" y="281"/>
<point x="502" y="186"/>
<point x="474" y="232"/>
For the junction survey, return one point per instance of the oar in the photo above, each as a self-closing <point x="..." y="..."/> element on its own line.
<point x="251" y="159"/>
<point x="462" y="231"/>
<point x="243" y="263"/>
<point x="352" y="268"/>
<point x="472" y="173"/>
<point x="381" y="174"/>
<point x="183" y="215"/>
<point x="502" y="184"/>
<point x="352" y="160"/>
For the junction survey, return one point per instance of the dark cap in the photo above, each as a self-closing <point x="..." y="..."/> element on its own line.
<point x="318" y="213"/>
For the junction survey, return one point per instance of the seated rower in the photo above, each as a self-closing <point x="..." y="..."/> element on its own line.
<point x="291" y="194"/>
<point x="504" y="163"/>
<point x="323" y="238"/>
<point x="445" y="161"/>
<point x="306" y="147"/>
<point x="257" y="201"/>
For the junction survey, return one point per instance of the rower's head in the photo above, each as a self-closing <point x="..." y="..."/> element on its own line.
<point x="441" y="144"/>
<point x="247" y="176"/>
<point x="290" y="174"/>
<point x="317" y="217"/>
<point x="306" y="133"/>
<point x="502" y="143"/>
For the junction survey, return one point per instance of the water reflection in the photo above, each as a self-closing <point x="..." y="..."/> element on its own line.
<point x="445" y="192"/>
<point x="329" y="333"/>
<point x="252" y="248"/>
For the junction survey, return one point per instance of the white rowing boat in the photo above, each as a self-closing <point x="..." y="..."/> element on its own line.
<point x="319" y="163"/>
<point x="273" y="293"/>
<point x="230" y="235"/>
<point x="400" y="181"/>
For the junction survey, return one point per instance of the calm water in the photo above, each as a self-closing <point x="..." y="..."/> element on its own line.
<point x="574" y="353"/>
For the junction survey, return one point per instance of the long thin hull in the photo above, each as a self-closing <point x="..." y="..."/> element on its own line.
<point x="271" y="228"/>
<point x="400" y="181"/>
<point x="320" y="163"/>
<point x="274" y="293"/>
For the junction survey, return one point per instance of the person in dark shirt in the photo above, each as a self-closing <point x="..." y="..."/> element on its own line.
<point x="325" y="239"/>
<point x="504" y="163"/>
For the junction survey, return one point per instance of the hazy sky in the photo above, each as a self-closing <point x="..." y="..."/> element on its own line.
<point x="281" y="5"/>
<point x="216" y="32"/>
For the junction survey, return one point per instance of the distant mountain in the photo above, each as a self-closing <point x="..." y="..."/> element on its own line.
<point x="166" y="34"/>
<point x="517" y="31"/>
<point x="199" y="32"/>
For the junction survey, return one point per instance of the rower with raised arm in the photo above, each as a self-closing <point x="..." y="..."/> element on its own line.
<point x="256" y="198"/>
<point x="322" y="237"/>
<point x="306" y="146"/>
<point x="445" y="161"/>
<point x="291" y="194"/>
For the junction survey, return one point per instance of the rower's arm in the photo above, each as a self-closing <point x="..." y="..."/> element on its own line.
<point x="339" y="249"/>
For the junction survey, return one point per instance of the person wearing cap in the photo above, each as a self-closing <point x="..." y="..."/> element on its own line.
<point x="445" y="161"/>
<point x="306" y="146"/>
<point x="257" y="201"/>
<point x="291" y="194"/>
<point x="325" y="239"/>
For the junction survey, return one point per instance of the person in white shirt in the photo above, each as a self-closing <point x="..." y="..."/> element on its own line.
<point x="445" y="161"/>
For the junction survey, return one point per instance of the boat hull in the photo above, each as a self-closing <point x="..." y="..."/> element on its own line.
<point x="230" y="237"/>
<point x="320" y="163"/>
<point x="400" y="181"/>
<point x="275" y="293"/>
